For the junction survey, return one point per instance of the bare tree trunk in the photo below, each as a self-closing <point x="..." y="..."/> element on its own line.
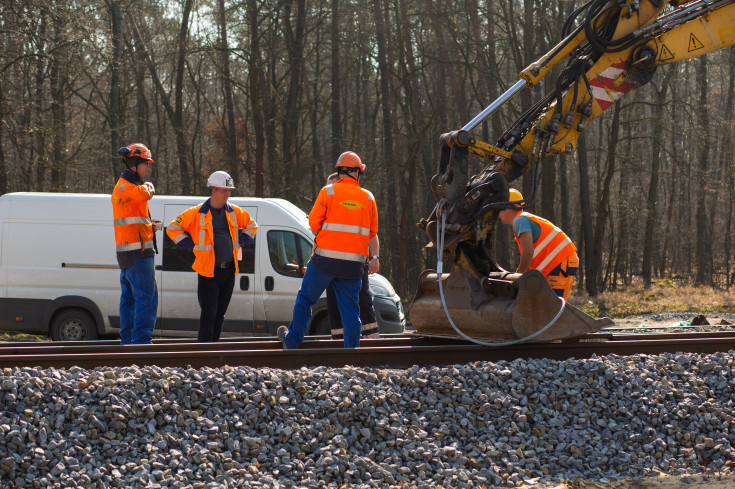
<point x="703" y="273"/>
<point x="602" y="206"/>
<point x="58" y="79"/>
<point x="175" y="115"/>
<point x="295" y="49"/>
<point x="409" y="186"/>
<point x="255" y="86"/>
<point x="586" y="210"/>
<point x="652" y="203"/>
<point x="675" y="191"/>
<point x="116" y="16"/>
<point x="231" y="129"/>
<point x="3" y="168"/>
<point x="336" y="83"/>
<point x="388" y="160"/>
<point x="178" y="121"/>
<point x="727" y="160"/>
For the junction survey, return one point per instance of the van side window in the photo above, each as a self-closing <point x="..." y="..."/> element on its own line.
<point x="289" y="253"/>
<point x="176" y="259"/>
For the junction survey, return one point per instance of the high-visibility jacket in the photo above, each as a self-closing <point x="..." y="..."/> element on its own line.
<point x="344" y="218"/>
<point x="197" y="222"/>
<point x="552" y="246"/>
<point x="133" y="227"/>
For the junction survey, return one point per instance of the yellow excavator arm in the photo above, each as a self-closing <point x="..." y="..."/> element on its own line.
<point x="613" y="50"/>
<point x="610" y="47"/>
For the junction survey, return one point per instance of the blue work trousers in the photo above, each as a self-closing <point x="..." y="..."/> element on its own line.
<point x="314" y="283"/>
<point x="138" y="302"/>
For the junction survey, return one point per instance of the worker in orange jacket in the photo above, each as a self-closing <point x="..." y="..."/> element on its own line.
<point x="543" y="246"/>
<point x="215" y="231"/>
<point x="344" y="218"/>
<point x="368" y="318"/>
<point x="135" y="245"/>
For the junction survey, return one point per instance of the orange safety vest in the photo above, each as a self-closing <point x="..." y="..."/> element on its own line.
<point x="197" y="221"/>
<point x="344" y="218"/>
<point x="552" y="246"/>
<point x="133" y="227"/>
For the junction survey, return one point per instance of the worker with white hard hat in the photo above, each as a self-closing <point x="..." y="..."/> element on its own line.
<point x="215" y="231"/>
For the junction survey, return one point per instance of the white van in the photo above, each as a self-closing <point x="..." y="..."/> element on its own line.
<point x="59" y="273"/>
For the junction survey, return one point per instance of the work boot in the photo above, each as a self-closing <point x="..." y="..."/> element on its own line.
<point x="282" y="330"/>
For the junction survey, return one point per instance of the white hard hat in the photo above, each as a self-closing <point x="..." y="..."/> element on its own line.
<point x="220" y="179"/>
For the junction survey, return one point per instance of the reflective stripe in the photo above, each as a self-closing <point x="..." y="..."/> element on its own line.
<point x="235" y="246"/>
<point x="128" y="247"/>
<point x="553" y="254"/>
<point x="330" y="189"/>
<point x="202" y="223"/>
<point x="202" y="248"/>
<point x="254" y="225"/>
<point x="546" y="241"/>
<point x="134" y="246"/>
<point x="178" y="239"/>
<point x="124" y="221"/>
<point x="370" y="195"/>
<point x="122" y="187"/>
<point x="341" y="255"/>
<point x="234" y="218"/>
<point x="249" y="233"/>
<point x="345" y="228"/>
<point x="175" y="226"/>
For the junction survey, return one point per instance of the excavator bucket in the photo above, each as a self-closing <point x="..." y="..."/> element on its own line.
<point x="499" y="308"/>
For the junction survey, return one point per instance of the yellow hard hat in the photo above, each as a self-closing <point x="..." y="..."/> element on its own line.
<point x="515" y="196"/>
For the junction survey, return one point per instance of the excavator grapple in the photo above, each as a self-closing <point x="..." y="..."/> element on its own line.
<point x="502" y="308"/>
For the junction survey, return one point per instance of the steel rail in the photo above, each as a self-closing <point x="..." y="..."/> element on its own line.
<point x="392" y="353"/>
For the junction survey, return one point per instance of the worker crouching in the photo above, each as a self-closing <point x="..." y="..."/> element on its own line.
<point x="215" y="231"/>
<point x="543" y="246"/>
<point x="344" y="218"/>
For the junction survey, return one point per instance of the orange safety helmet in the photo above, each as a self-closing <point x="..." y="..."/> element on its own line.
<point x="136" y="149"/>
<point x="349" y="159"/>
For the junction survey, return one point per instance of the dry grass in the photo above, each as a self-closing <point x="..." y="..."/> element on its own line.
<point x="663" y="296"/>
<point x="22" y="337"/>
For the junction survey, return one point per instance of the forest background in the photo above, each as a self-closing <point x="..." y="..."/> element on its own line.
<point x="273" y="91"/>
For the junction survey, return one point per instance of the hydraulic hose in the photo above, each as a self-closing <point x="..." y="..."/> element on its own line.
<point x="439" y="268"/>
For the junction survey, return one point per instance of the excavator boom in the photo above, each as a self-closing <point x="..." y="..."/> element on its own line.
<point x="609" y="49"/>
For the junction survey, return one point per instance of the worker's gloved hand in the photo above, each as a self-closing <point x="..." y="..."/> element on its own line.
<point x="157" y="225"/>
<point x="244" y="239"/>
<point x="150" y="187"/>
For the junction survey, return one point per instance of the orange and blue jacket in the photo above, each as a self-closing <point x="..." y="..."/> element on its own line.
<point x="551" y="248"/>
<point x="133" y="227"/>
<point x="192" y="230"/>
<point x="344" y="218"/>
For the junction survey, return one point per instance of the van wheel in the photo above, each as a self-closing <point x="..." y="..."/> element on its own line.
<point x="73" y="325"/>
<point x="321" y="327"/>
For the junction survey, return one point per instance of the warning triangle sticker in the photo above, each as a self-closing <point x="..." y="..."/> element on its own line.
<point x="665" y="54"/>
<point x="694" y="43"/>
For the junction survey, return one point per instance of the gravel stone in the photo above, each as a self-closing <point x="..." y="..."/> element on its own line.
<point x="493" y="424"/>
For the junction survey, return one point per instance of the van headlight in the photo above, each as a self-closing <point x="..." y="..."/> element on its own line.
<point x="379" y="290"/>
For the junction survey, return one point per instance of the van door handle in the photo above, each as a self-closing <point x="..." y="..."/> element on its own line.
<point x="269" y="283"/>
<point x="244" y="282"/>
<point x="159" y="267"/>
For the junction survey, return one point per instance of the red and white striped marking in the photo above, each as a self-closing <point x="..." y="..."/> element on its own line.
<point x="603" y="89"/>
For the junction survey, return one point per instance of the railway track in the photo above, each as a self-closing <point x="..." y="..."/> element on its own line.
<point x="398" y="351"/>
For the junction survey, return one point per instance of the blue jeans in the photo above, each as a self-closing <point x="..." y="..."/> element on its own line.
<point x="314" y="283"/>
<point x="367" y="311"/>
<point x="138" y="302"/>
